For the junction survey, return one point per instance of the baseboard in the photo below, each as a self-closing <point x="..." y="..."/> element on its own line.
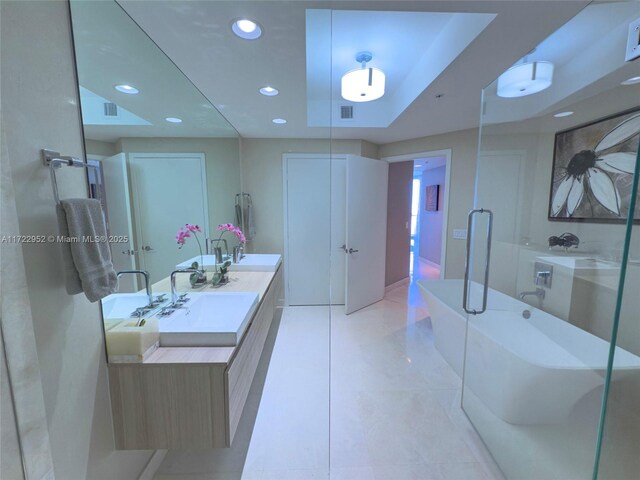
<point x="152" y="465"/>
<point x="404" y="281"/>
<point x="429" y="262"/>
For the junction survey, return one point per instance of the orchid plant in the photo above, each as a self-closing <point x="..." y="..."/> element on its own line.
<point x="186" y="232"/>
<point x="230" y="227"/>
<point x="222" y="228"/>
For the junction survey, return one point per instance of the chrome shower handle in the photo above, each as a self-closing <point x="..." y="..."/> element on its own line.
<point x="465" y="294"/>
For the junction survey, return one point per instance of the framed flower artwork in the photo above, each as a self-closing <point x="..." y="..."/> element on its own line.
<point x="593" y="166"/>
<point x="432" y="192"/>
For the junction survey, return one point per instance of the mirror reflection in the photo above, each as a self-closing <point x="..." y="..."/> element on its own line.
<point x="168" y="162"/>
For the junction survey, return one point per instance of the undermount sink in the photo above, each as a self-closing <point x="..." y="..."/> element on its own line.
<point x="208" y="320"/>
<point x="251" y="262"/>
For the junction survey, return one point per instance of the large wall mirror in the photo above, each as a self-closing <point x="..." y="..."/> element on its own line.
<point x="161" y="121"/>
<point x="166" y="156"/>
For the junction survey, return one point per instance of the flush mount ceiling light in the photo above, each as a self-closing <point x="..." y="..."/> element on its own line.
<point x="247" y="29"/>
<point x="279" y="121"/>
<point x="173" y="120"/>
<point x="269" y="91"/>
<point x="525" y="79"/>
<point x="128" y="89"/>
<point x="631" y="81"/>
<point x="563" y="114"/>
<point x="363" y="84"/>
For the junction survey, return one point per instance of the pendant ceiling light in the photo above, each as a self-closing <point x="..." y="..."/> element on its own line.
<point x="363" y="84"/>
<point x="525" y="79"/>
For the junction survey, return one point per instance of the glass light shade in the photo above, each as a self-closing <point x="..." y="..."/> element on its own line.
<point x="363" y="85"/>
<point x="525" y="79"/>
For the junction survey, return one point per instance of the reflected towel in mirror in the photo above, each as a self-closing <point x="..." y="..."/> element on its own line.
<point x="250" y="226"/>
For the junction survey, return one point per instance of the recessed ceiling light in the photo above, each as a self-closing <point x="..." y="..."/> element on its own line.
<point x="269" y="91"/>
<point x="279" y="121"/>
<point x="247" y="29"/>
<point x="631" y="81"/>
<point x="173" y="120"/>
<point x="562" y="114"/>
<point x="128" y="89"/>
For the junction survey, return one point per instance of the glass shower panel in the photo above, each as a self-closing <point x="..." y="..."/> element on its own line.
<point x="618" y="453"/>
<point x="185" y="60"/>
<point x="553" y="168"/>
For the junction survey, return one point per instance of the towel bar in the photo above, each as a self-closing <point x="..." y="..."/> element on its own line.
<point x="54" y="160"/>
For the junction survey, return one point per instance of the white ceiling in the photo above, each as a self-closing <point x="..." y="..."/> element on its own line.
<point x="422" y="164"/>
<point x="111" y="50"/>
<point x="229" y="71"/>
<point x="411" y="48"/>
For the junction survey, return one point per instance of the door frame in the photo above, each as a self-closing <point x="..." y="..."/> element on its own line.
<point x="285" y="208"/>
<point x="446" y="153"/>
<point x="134" y="198"/>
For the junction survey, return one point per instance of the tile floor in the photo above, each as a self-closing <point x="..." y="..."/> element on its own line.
<point x="363" y="396"/>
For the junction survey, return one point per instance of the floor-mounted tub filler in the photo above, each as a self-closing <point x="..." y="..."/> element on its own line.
<point x="526" y="370"/>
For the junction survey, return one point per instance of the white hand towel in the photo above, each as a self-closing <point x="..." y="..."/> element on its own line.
<point x="71" y="278"/>
<point x="91" y="253"/>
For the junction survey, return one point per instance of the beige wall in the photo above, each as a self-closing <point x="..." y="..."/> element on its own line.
<point x="262" y="177"/>
<point x="463" y="145"/>
<point x="97" y="147"/>
<point x="399" y="222"/>
<point x="370" y="150"/>
<point x="222" y="164"/>
<point x="40" y="109"/>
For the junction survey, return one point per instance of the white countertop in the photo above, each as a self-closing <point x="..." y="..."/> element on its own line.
<point x="251" y="262"/>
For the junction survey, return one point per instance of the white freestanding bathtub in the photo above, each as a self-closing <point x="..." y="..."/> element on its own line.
<point x="526" y="371"/>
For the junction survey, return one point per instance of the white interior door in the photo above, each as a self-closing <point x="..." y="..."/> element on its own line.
<point x="314" y="206"/>
<point x="366" y="201"/>
<point x="169" y="190"/>
<point x="307" y="229"/>
<point x="120" y="224"/>
<point x="338" y="228"/>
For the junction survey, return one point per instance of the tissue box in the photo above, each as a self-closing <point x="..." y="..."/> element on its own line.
<point x="127" y="343"/>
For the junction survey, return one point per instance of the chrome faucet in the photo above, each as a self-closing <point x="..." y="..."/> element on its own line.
<point x="147" y="283"/>
<point x="174" y="292"/>
<point x="539" y="292"/>
<point x="209" y="245"/>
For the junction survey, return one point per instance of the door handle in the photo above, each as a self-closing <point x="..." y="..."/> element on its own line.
<point x="343" y="247"/>
<point x="147" y="248"/>
<point x="351" y="250"/>
<point x="129" y="252"/>
<point x="465" y="294"/>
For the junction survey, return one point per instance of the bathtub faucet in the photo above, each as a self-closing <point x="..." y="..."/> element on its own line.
<point x="539" y="292"/>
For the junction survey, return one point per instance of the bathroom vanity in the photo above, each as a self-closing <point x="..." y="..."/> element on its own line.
<point x="193" y="397"/>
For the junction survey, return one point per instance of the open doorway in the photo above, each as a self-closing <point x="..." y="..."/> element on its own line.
<point x="428" y="217"/>
<point x="416" y="237"/>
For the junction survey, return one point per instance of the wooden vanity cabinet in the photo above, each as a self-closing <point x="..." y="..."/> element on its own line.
<point x="190" y="397"/>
